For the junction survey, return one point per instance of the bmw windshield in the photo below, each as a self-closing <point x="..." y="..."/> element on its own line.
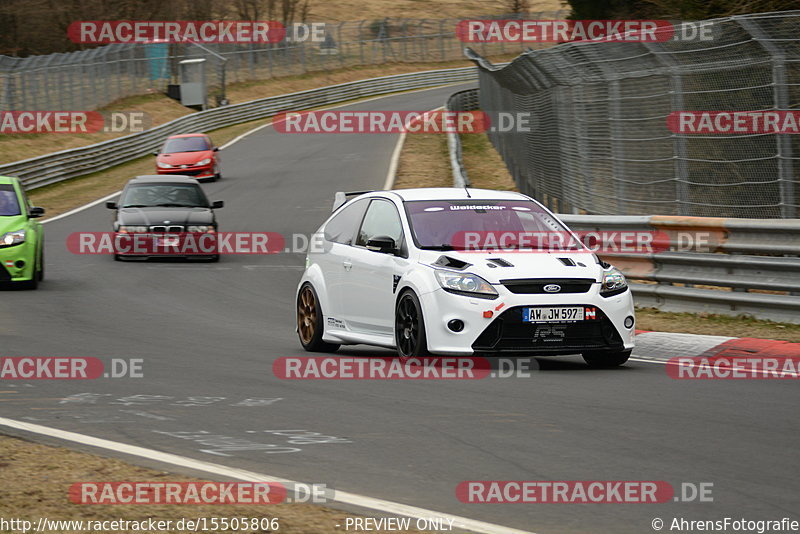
<point x="164" y="195"/>
<point x="486" y="224"/>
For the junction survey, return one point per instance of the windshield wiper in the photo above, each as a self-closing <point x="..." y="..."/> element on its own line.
<point x="445" y="246"/>
<point x="174" y="205"/>
<point x="135" y="206"/>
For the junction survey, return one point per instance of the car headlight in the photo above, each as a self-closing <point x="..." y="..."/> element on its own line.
<point x="199" y="229"/>
<point x="133" y="229"/>
<point x="614" y="282"/>
<point x="466" y="284"/>
<point x="10" y="239"/>
<point x="204" y="161"/>
<point x="162" y="165"/>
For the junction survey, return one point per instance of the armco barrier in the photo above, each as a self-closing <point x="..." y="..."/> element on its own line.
<point x="740" y="266"/>
<point x="66" y="164"/>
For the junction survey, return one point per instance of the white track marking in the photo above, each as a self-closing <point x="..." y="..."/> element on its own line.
<point x="392" y="174"/>
<point x="240" y="474"/>
<point x="84" y="207"/>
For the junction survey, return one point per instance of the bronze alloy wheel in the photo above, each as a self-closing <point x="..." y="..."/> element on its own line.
<point x="306" y="315"/>
<point x="309" y="321"/>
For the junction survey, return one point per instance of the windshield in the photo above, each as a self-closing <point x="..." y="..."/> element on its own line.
<point x="9" y="205"/>
<point x="185" y="144"/>
<point x="164" y="195"/>
<point x="486" y="224"/>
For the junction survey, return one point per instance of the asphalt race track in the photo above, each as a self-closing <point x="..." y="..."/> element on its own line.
<point x="209" y="332"/>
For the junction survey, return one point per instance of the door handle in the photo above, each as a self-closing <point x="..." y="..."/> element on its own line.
<point x="347" y="264"/>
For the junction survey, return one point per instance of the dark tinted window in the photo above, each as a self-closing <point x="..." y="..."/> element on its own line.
<point x="166" y="195"/>
<point x="341" y="228"/>
<point x="9" y="204"/>
<point x="186" y="144"/>
<point x="381" y="219"/>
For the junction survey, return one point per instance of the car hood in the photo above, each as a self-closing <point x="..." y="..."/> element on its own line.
<point x="500" y="265"/>
<point x="184" y="158"/>
<point x="159" y="216"/>
<point x="11" y="223"/>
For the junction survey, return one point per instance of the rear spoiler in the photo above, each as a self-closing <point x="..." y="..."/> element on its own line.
<point x="341" y="197"/>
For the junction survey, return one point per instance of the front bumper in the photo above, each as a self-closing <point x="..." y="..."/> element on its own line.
<point x="505" y="332"/>
<point x="206" y="171"/>
<point x="11" y="256"/>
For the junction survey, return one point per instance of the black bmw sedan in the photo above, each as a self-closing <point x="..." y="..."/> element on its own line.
<point x="159" y="211"/>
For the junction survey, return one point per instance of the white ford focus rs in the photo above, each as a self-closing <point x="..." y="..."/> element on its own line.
<point x="460" y="272"/>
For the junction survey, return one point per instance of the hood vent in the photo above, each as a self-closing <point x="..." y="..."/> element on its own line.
<point x="569" y="262"/>
<point x="495" y="262"/>
<point x="451" y="263"/>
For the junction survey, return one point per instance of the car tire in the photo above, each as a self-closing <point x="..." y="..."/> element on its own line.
<point x="41" y="266"/>
<point x="606" y="360"/>
<point x="409" y="327"/>
<point x="310" y="321"/>
<point x="217" y="174"/>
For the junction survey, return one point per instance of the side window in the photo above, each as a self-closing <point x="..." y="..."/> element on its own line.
<point x="341" y="228"/>
<point x="381" y="219"/>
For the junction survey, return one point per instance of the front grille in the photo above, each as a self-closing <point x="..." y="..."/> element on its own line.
<point x="166" y="229"/>
<point x="528" y="286"/>
<point x="193" y="172"/>
<point x="5" y="276"/>
<point x="508" y="333"/>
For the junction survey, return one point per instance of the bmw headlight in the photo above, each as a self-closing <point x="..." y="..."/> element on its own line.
<point x="199" y="229"/>
<point x="614" y="282"/>
<point x="466" y="284"/>
<point x="162" y="165"/>
<point x="10" y="239"/>
<point x="133" y="229"/>
<point x="204" y="161"/>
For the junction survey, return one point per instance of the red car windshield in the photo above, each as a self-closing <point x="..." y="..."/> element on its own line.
<point x="461" y="224"/>
<point x="186" y="144"/>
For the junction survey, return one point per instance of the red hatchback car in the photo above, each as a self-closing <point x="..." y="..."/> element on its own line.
<point x="189" y="155"/>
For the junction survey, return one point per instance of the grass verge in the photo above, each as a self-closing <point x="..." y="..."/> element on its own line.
<point x="37" y="479"/>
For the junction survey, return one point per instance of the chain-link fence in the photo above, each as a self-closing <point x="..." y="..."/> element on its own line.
<point x="599" y="140"/>
<point x="90" y="79"/>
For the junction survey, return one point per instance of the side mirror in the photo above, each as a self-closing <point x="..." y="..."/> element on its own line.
<point x="383" y="244"/>
<point x="216" y="149"/>
<point x="35" y="212"/>
<point x="217" y="204"/>
<point x="111" y="205"/>
<point x="156" y="153"/>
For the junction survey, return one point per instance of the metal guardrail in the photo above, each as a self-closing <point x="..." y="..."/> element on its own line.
<point x="742" y="266"/>
<point x="66" y="164"/>
<point x="461" y="101"/>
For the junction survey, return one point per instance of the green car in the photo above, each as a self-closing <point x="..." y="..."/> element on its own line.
<point x="21" y="237"/>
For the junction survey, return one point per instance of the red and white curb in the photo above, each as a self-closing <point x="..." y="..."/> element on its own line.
<point x="662" y="346"/>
